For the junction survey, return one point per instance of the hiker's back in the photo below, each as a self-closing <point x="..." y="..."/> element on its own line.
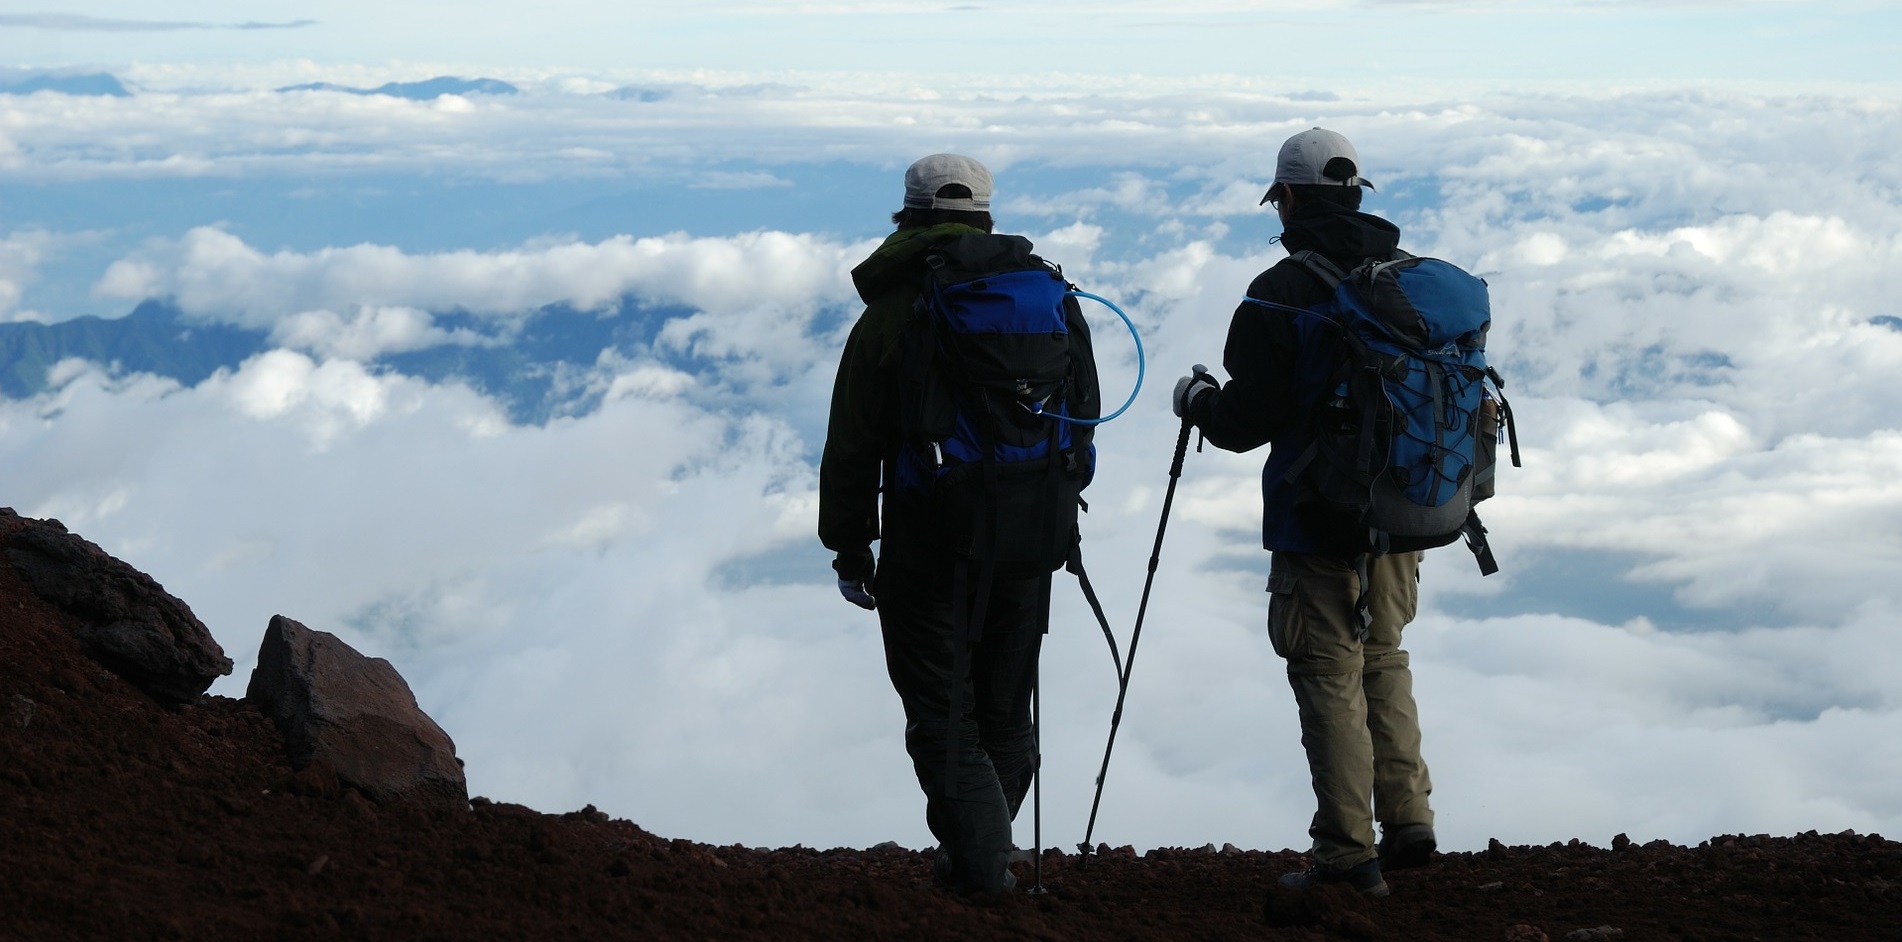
<point x="996" y="358"/>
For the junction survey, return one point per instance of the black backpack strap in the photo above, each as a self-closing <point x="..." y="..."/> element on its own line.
<point x="1363" y="571"/>
<point x="1475" y="534"/>
<point x="1317" y="265"/>
<point x="1301" y="463"/>
<point x="1074" y="566"/>
<point x="1505" y="414"/>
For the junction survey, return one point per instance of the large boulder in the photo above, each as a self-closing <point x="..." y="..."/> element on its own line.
<point x="354" y="714"/>
<point x="122" y="618"/>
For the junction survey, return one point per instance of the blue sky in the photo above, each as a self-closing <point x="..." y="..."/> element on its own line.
<point x="1687" y="213"/>
<point x="1498" y="44"/>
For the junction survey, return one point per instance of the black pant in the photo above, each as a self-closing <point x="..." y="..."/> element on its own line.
<point x="972" y="790"/>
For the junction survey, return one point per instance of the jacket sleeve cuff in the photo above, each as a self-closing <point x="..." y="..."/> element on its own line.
<point x="855" y="565"/>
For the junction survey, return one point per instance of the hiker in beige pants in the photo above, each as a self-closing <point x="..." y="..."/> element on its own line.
<point x="1355" y="694"/>
<point x="1359" y="724"/>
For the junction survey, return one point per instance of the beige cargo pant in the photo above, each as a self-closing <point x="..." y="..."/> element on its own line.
<point x="1359" y="724"/>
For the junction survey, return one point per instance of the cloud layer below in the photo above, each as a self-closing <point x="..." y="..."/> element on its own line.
<point x="627" y="607"/>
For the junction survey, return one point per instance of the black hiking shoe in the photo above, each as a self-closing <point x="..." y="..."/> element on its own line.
<point x="1364" y="878"/>
<point x="944" y="873"/>
<point x="941" y="870"/>
<point x="1404" y="848"/>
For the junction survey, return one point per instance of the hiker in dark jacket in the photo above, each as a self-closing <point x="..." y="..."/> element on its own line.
<point x="970" y="801"/>
<point x="1359" y="725"/>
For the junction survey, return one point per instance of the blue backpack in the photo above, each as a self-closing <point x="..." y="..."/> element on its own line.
<point x="992" y="363"/>
<point x="1406" y="427"/>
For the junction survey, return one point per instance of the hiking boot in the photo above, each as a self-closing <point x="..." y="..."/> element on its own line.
<point x="1404" y="848"/>
<point x="944" y="872"/>
<point x="1364" y="878"/>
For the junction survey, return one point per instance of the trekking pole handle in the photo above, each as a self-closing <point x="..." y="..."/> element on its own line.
<point x="1182" y="442"/>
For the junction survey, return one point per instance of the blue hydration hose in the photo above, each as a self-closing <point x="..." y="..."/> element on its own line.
<point x="1139" y="364"/>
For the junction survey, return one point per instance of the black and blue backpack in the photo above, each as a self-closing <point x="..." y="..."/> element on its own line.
<point x="995" y="361"/>
<point x="1406" y="427"/>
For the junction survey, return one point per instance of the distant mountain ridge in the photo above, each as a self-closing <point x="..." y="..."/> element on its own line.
<point x="417" y="91"/>
<point x="93" y="84"/>
<point x="529" y="371"/>
<point x="151" y="339"/>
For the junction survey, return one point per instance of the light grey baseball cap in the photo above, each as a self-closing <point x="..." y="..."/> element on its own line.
<point x="1317" y="157"/>
<point x="930" y="174"/>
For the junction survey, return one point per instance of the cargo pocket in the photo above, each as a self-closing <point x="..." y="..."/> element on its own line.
<point x="1284" y="613"/>
<point x="1396" y="596"/>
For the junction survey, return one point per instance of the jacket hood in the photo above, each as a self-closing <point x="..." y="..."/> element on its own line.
<point x="896" y="262"/>
<point x="1341" y="234"/>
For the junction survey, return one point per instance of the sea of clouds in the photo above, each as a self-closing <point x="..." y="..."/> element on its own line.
<point x="1694" y="632"/>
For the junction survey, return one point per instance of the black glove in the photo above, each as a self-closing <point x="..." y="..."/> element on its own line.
<point x="855" y="569"/>
<point x="1189" y="387"/>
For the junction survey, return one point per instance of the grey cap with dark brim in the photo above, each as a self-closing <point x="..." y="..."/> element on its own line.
<point x="1307" y="159"/>
<point x="930" y="174"/>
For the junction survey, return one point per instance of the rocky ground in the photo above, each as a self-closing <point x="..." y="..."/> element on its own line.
<point x="124" y="816"/>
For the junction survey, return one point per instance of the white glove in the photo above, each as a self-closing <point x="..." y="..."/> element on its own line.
<point x="855" y="592"/>
<point x="1189" y="387"/>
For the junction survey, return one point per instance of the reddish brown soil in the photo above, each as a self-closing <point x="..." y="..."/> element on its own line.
<point x="122" y="819"/>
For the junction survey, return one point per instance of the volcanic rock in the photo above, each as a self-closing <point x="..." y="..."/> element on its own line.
<point x="354" y="716"/>
<point x="121" y="617"/>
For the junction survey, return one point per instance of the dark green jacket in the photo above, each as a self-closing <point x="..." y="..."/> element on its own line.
<point x="862" y="431"/>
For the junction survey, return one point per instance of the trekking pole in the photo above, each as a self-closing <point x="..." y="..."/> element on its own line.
<point x="1036" y="781"/>
<point x="1135" y="635"/>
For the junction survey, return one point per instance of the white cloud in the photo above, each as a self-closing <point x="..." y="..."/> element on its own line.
<point x="20" y="256"/>
<point x="1149" y="130"/>
<point x="1644" y="710"/>
<point x="214" y="274"/>
<point x="367" y="333"/>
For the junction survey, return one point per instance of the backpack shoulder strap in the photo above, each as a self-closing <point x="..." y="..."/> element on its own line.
<point x="977" y="254"/>
<point x="1312" y="262"/>
<point x="1317" y="265"/>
